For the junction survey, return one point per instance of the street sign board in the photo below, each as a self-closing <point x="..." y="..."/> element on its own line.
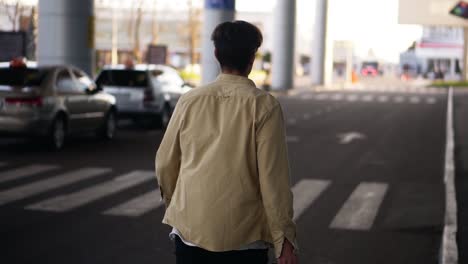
<point x="12" y="45"/>
<point x="220" y="4"/>
<point x="429" y="13"/>
<point x="460" y="10"/>
<point x="156" y="54"/>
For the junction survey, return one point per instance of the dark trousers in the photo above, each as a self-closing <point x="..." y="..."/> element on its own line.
<point x="195" y="255"/>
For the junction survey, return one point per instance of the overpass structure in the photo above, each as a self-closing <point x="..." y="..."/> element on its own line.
<point x="66" y="36"/>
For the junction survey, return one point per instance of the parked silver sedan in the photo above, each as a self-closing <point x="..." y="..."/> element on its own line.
<point x="53" y="102"/>
<point x="144" y="92"/>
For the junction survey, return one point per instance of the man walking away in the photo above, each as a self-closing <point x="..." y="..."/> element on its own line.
<point x="222" y="166"/>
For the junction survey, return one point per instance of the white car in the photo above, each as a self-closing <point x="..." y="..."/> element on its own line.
<point x="144" y="92"/>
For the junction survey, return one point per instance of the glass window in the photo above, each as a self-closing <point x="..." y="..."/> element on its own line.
<point x="22" y="76"/>
<point x="170" y="78"/>
<point x="65" y="82"/>
<point x="127" y="78"/>
<point x="84" y="82"/>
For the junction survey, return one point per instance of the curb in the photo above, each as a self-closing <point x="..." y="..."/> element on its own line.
<point x="449" y="249"/>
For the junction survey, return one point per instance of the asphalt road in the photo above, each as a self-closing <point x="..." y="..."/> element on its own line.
<point x="367" y="171"/>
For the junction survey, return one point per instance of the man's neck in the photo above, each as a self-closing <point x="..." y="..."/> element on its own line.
<point x="235" y="72"/>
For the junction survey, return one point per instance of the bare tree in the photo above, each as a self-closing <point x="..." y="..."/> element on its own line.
<point x="136" y="42"/>
<point x="154" y="24"/>
<point x="193" y="27"/>
<point x="133" y="29"/>
<point x="13" y="11"/>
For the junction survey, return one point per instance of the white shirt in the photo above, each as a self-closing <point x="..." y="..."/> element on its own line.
<point x="254" y="245"/>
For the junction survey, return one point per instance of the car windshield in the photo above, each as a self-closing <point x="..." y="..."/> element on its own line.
<point x="21" y="76"/>
<point x="128" y="78"/>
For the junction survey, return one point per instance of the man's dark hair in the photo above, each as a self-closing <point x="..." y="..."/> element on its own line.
<point x="236" y="43"/>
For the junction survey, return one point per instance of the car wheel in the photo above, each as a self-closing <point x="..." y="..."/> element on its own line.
<point x="57" y="133"/>
<point x="109" y="127"/>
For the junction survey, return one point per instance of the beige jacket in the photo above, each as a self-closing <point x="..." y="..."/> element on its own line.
<point x="223" y="169"/>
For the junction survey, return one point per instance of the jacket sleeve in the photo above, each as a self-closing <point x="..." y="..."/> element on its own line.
<point x="273" y="169"/>
<point x="168" y="156"/>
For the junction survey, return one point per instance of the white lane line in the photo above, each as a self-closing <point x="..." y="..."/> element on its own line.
<point x="308" y="96"/>
<point x="399" y="99"/>
<point x="292" y="139"/>
<point x="431" y="100"/>
<point x="321" y="96"/>
<point x="382" y="99"/>
<point x="352" y="98"/>
<point x="337" y="97"/>
<point x="22" y="172"/>
<point x="138" y="206"/>
<point x="360" y="210"/>
<point x="449" y="245"/>
<point x="307" y="116"/>
<point x="305" y="193"/>
<point x="38" y="187"/>
<point x="368" y="98"/>
<point x="415" y="100"/>
<point x="71" y="201"/>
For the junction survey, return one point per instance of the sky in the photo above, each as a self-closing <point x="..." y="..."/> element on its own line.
<point x="370" y="24"/>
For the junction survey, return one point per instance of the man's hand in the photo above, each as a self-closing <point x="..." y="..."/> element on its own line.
<point x="287" y="254"/>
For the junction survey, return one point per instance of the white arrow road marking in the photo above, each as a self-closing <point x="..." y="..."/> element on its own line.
<point x="360" y="210"/>
<point x="292" y="139"/>
<point x="349" y="137"/>
<point x="292" y="121"/>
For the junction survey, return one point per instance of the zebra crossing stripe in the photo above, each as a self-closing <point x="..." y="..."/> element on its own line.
<point x="360" y="210"/>
<point x="399" y="99"/>
<point x="431" y="100"/>
<point x="42" y="186"/>
<point x="308" y="96"/>
<point x="305" y="192"/>
<point x="415" y="100"/>
<point x="337" y="97"/>
<point x="71" y="201"/>
<point x="137" y="206"/>
<point x="23" y="172"/>
<point x="368" y="98"/>
<point x="321" y="96"/>
<point x="383" y="98"/>
<point x="352" y="98"/>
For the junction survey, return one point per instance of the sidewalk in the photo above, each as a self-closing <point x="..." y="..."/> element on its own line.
<point x="461" y="166"/>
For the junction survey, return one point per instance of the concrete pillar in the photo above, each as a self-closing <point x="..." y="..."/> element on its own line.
<point x="465" y="54"/>
<point x="66" y="33"/>
<point x="216" y="12"/>
<point x="284" y="25"/>
<point x="319" y="45"/>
